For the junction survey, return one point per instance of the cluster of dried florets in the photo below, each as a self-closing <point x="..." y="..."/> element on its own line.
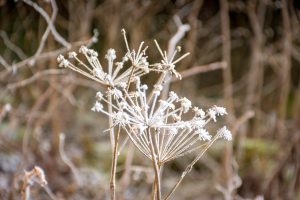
<point x="157" y="126"/>
<point x="115" y="75"/>
<point x="161" y="120"/>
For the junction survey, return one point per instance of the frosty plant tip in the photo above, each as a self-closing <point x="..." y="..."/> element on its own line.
<point x="159" y="127"/>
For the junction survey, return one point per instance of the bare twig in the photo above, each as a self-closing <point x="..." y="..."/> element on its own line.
<point x="49" y="20"/>
<point x="12" y="46"/>
<point x="39" y="102"/>
<point x="226" y="54"/>
<point x="67" y="161"/>
<point x="286" y="62"/>
<point x="50" y="27"/>
<point x="44" y="56"/>
<point x="227" y="87"/>
<point x="36" y="175"/>
<point x="4" y="63"/>
<point x="256" y="71"/>
<point x="125" y="179"/>
<point x="35" y="77"/>
<point x="201" y="69"/>
<point x="241" y="120"/>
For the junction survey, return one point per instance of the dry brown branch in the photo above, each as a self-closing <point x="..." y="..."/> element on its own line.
<point x="201" y="69"/>
<point x="226" y="56"/>
<point x="67" y="161"/>
<point x="125" y="179"/>
<point x="242" y="120"/>
<point x="39" y="102"/>
<point x="36" y="76"/>
<point x="17" y="50"/>
<point x="192" y="35"/>
<point x="256" y="71"/>
<point x="286" y="62"/>
<point x="228" y="93"/>
<point x="46" y="56"/>
<point x="48" y="29"/>
<point x="36" y="175"/>
<point x="50" y="21"/>
<point x="4" y="63"/>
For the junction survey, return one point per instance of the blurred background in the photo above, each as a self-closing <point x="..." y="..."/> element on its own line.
<point x="245" y="56"/>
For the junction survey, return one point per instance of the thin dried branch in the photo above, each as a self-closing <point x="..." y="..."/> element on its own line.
<point x="36" y="76"/>
<point x="49" y="28"/>
<point x="36" y="175"/>
<point x="50" y="21"/>
<point x="17" y="50"/>
<point x="46" y="55"/>
<point x="67" y="161"/>
<point x="286" y="62"/>
<point x="228" y="90"/>
<point x="4" y="63"/>
<point x="201" y="69"/>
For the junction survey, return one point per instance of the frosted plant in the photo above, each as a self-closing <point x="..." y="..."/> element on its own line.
<point x="159" y="127"/>
<point x="160" y="123"/>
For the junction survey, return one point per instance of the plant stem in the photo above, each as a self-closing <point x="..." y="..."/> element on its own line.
<point x="154" y="187"/>
<point x="189" y="168"/>
<point x="156" y="168"/>
<point x="114" y="166"/>
<point x="114" y="142"/>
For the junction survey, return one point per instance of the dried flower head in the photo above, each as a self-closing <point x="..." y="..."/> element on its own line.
<point x="158" y="121"/>
<point x="112" y="75"/>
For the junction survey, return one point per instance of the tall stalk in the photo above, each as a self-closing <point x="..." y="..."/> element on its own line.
<point x="114" y="143"/>
<point x="156" y="168"/>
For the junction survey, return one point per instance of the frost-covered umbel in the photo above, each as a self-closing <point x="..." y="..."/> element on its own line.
<point x="158" y="122"/>
<point x="114" y="74"/>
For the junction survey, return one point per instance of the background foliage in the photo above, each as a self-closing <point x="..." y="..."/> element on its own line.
<point x="260" y="88"/>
